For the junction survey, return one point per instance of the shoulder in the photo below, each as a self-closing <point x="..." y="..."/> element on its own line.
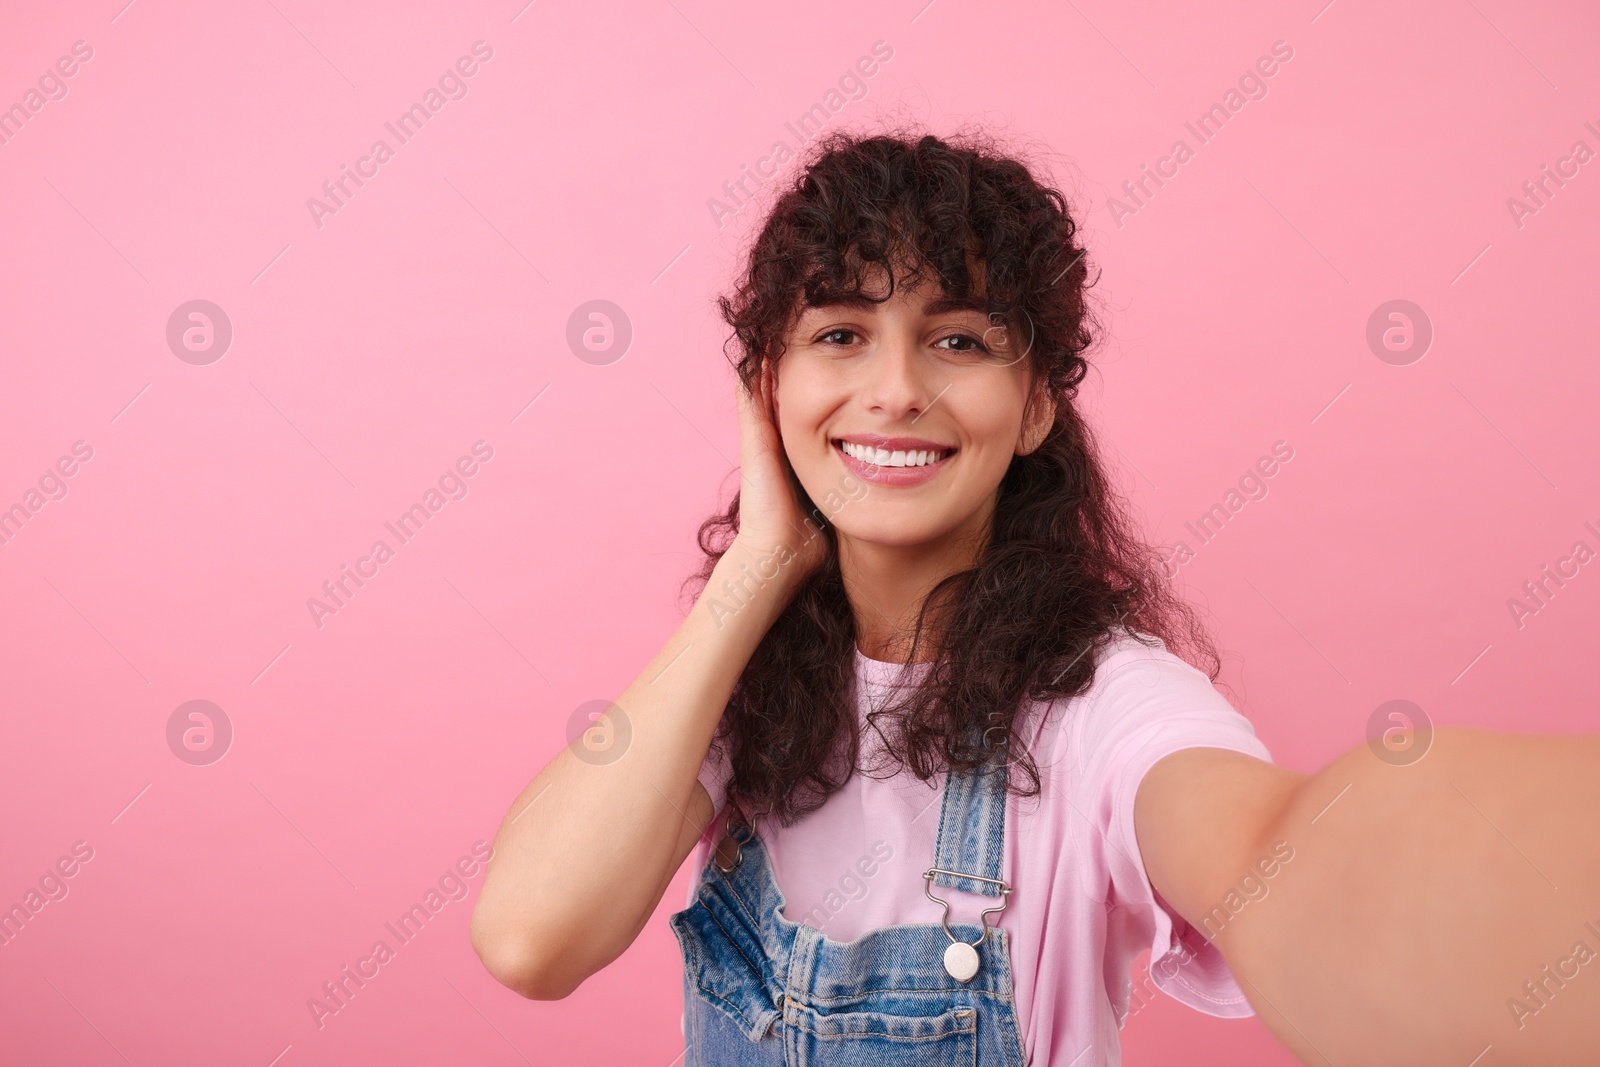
<point x="1128" y="653"/>
<point x="1142" y="697"/>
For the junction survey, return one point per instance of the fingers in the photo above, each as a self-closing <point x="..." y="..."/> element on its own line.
<point x="756" y="409"/>
<point x="750" y="404"/>
<point x="758" y="393"/>
<point x="742" y="397"/>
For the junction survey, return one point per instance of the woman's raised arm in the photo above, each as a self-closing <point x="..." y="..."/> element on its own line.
<point x="585" y="852"/>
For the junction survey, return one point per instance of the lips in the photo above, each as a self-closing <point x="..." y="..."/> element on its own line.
<point x="892" y="461"/>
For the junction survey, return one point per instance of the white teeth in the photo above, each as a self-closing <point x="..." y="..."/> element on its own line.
<point x="885" y="458"/>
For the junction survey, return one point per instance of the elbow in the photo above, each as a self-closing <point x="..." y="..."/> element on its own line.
<point x="517" y="963"/>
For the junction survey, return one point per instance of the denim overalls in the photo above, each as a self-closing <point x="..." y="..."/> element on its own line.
<point x="759" y="989"/>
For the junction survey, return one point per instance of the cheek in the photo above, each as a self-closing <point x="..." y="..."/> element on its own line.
<point x="803" y="400"/>
<point x="800" y="412"/>
<point x="993" y="426"/>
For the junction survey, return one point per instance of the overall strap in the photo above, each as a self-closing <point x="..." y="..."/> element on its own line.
<point x="972" y="828"/>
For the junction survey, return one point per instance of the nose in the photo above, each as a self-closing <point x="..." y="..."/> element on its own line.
<point x="897" y="385"/>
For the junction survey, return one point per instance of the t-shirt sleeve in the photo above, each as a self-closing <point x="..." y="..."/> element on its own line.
<point x="715" y="771"/>
<point x="1150" y="704"/>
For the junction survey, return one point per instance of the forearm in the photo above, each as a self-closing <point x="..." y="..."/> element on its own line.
<point x="584" y="853"/>
<point x="1424" y="901"/>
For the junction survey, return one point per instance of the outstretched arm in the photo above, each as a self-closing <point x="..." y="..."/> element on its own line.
<point x="1444" y="911"/>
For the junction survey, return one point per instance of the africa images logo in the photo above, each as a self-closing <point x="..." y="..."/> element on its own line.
<point x="452" y="85"/>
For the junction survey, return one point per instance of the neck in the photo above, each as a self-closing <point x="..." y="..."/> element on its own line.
<point x="887" y="585"/>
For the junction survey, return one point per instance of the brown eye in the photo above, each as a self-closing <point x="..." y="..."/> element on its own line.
<point x="975" y="344"/>
<point x="834" y="333"/>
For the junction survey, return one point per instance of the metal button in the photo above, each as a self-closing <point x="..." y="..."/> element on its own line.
<point x="961" y="961"/>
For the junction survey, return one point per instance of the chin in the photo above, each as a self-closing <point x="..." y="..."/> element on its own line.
<point x="888" y="531"/>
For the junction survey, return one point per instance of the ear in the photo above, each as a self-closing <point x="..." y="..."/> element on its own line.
<point x="1037" y="418"/>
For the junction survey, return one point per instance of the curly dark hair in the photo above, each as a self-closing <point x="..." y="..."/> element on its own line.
<point x="1062" y="570"/>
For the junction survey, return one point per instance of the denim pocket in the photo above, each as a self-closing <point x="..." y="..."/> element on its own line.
<point x="880" y="1039"/>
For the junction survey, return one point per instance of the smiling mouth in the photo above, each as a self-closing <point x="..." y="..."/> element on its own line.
<point x="883" y="457"/>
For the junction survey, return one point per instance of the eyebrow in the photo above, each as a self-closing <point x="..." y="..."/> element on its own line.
<point x="942" y="306"/>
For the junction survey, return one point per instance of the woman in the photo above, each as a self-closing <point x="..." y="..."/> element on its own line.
<point x="926" y="596"/>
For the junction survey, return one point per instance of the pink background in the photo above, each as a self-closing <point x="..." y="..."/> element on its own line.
<point x="370" y="353"/>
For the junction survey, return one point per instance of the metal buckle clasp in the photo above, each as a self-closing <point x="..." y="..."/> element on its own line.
<point x="961" y="958"/>
<point x="983" y="918"/>
<point x="729" y="842"/>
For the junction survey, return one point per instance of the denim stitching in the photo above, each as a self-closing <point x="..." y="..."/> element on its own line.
<point x="869" y="992"/>
<point x="734" y="1008"/>
<point x="754" y="969"/>
<point x="738" y="898"/>
<point x="980" y="839"/>
<point x="970" y="1030"/>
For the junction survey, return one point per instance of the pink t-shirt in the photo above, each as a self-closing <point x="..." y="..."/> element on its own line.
<point x="1082" y="908"/>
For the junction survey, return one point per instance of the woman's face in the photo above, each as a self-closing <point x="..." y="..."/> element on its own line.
<point x="930" y="399"/>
